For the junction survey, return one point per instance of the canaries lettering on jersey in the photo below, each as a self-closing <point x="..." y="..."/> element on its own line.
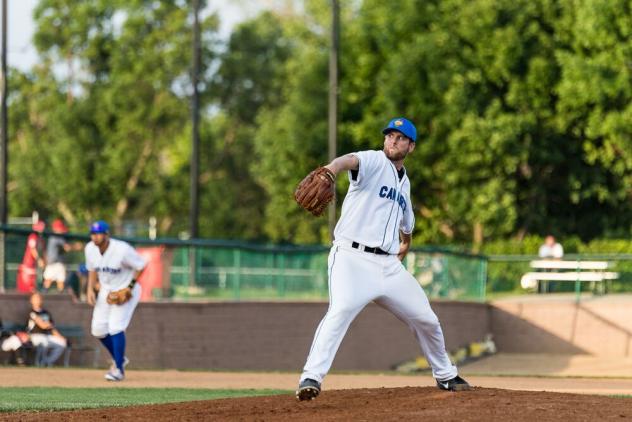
<point x="393" y="195"/>
<point x="107" y="270"/>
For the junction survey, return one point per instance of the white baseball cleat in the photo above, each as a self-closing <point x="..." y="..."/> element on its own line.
<point x="115" y="375"/>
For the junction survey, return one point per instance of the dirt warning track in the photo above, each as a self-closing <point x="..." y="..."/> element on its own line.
<point x="93" y="378"/>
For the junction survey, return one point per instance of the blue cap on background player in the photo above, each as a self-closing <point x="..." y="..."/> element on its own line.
<point x="402" y="125"/>
<point x="99" y="227"/>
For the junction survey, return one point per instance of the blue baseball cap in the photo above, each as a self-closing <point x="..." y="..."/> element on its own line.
<point x="402" y="125"/>
<point x="99" y="227"/>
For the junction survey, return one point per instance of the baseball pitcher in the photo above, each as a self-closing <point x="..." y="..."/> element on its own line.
<point x="372" y="237"/>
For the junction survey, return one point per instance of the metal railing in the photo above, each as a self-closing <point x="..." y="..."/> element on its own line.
<point x="506" y="271"/>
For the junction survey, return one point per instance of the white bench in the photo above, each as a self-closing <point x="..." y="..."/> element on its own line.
<point x="577" y="271"/>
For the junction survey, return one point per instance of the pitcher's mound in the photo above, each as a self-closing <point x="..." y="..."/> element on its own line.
<point x="382" y="404"/>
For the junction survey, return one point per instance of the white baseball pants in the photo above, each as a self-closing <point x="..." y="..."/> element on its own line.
<point x="11" y="344"/>
<point x="113" y="319"/>
<point x="355" y="279"/>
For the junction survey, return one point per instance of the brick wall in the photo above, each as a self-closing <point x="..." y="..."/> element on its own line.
<point x="600" y="326"/>
<point x="259" y="336"/>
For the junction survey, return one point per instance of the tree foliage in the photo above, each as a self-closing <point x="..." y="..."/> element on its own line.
<point x="523" y="110"/>
<point x="108" y="126"/>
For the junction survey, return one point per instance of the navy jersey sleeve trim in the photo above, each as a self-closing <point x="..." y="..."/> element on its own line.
<point x="390" y="214"/>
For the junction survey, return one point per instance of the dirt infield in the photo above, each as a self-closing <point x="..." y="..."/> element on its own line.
<point x="93" y="378"/>
<point x="382" y="397"/>
<point x="385" y="404"/>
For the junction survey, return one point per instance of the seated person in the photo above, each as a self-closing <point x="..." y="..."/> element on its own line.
<point x="14" y="342"/>
<point x="56" y="248"/>
<point x="43" y="333"/>
<point x="551" y="249"/>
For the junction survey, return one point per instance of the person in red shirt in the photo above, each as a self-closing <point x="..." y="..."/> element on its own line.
<point x="27" y="270"/>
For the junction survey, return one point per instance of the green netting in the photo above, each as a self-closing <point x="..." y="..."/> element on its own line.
<point x="225" y="270"/>
<point x="14" y="250"/>
<point x="240" y="274"/>
<point x="449" y="275"/>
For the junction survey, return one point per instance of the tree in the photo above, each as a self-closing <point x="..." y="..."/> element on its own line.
<point x="116" y="143"/>
<point x="595" y="111"/>
<point x="291" y="136"/>
<point x="522" y="108"/>
<point x="247" y="79"/>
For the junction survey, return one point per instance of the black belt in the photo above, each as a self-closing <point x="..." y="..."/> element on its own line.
<point x="369" y="249"/>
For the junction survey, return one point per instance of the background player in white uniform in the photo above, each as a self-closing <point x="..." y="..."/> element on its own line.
<point x="372" y="236"/>
<point x="115" y="265"/>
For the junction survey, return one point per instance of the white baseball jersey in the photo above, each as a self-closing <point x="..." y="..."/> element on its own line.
<point x="116" y="267"/>
<point x="377" y="205"/>
<point x="115" y="270"/>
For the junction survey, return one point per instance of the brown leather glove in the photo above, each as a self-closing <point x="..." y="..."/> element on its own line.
<point x="316" y="190"/>
<point x="119" y="297"/>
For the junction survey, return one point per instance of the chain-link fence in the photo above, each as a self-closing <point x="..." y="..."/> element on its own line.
<point x="231" y="270"/>
<point x="446" y="274"/>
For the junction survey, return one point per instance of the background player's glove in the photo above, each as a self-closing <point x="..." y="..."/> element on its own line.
<point x="119" y="297"/>
<point x="316" y="190"/>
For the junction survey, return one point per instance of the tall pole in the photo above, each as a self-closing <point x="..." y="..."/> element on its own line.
<point x="195" y="120"/>
<point x="195" y="147"/>
<point x="333" y="99"/>
<point x="3" y="145"/>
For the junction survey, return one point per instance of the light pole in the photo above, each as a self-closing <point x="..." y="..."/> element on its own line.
<point x="3" y="144"/>
<point x="333" y="99"/>
<point x="194" y="212"/>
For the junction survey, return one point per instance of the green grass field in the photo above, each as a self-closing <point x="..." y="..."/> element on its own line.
<point x="14" y="399"/>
